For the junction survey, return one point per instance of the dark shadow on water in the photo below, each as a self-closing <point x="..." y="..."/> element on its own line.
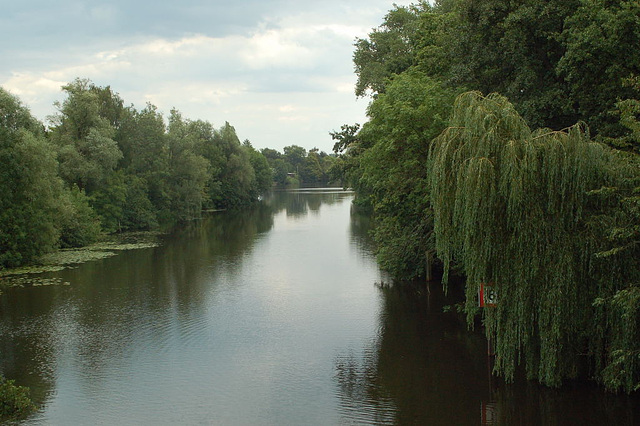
<point x="424" y="363"/>
<point x="426" y="367"/>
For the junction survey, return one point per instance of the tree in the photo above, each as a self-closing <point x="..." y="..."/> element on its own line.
<point x="600" y="39"/>
<point x="87" y="151"/>
<point x="15" y="402"/>
<point x="348" y="147"/>
<point x="295" y="155"/>
<point x="142" y="139"/>
<point x="312" y="171"/>
<point x="270" y="154"/>
<point x="557" y="61"/>
<point x="524" y="210"/>
<point x="388" y="50"/>
<point x="109" y="199"/>
<point x="629" y="112"/>
<point x="618" y="226"/>
<point x="403" y="121"/>
<point x="345" y="138"/>
<point x="188" y="171"/>
<point x="138" y="211"/>
<point x="29" y="186"/>
<point x="237" y="175"/>
<point x="264" y="176"/>
<point x="79" y="224"/>
<point x="502" y="193"/>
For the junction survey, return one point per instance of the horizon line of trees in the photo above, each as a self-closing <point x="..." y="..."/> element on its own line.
<point x="101" y="167"/>
<point x="504" y="140"/>
<point x="295" y="167"/>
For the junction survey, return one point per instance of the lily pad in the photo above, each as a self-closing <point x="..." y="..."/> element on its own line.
<point x="69" y="258"/>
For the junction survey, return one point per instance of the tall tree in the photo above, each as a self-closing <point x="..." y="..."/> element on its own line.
<point x="515" y="208"/>
<point x="142" y="138"/>
<point x="403" y="121"/>
<point x="388" y="50"/>
<point x="263" y="174"/>
<point x="237" y="175"/>
<point x="87" y="151"/>
<point x="29" y="186"/>
<point x="188" y="171"/>
<point x="295" y="155"/>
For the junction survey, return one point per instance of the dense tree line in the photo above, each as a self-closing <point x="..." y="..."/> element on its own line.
<point x="296" y="166"/>
<point x="103" y="167"/>
<point x="504" y="139"/>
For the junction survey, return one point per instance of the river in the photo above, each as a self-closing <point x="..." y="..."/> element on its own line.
<point x="274" y="316"/>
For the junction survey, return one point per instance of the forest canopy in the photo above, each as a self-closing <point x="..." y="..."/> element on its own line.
<point x="103" y="167"/>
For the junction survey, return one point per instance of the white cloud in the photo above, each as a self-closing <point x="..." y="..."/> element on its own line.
<point x="99" y="69"/>
<point x="276" y="48"/>
<point x="35" y="91"/>
<point x="281" y="75"/>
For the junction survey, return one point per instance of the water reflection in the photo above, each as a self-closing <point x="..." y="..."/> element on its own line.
<point x="265" y="316"/>
<point x="233" y="319"/>
<point x="425" y="367"/>
<point x="423" y="363"/>
<point x="298" y="203"/>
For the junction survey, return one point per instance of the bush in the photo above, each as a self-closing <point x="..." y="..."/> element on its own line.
<point x="14" y="400"/>
<point x="79" y="223"/>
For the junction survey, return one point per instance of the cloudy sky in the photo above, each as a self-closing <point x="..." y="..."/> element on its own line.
<point x="280" y="71"/>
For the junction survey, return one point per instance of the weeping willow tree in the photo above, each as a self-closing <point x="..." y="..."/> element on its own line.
<point x="526" y="211"/>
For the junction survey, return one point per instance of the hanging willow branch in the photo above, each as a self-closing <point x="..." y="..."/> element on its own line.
<point x="510" y="208"/>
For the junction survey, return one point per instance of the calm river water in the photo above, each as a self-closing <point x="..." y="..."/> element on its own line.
<point x="273" y="316"/>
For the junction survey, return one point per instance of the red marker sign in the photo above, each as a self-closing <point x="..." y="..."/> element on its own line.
<point x="487" y="296"/>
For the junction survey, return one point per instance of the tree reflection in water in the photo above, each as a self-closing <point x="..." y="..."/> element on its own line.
<point x="425" y="367"/>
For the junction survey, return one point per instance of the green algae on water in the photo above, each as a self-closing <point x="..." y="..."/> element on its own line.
<point x="70" y="258"/>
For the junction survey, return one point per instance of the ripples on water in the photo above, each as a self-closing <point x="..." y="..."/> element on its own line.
<point x="269" y="316"/>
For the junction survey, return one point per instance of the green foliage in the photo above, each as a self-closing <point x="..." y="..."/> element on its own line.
<point x="388" y="50"/>
<point x="237" y="176"/>
<point x="294" y="155"/>
<point x="550" y="217"/>
<point x="349" y="147"/>
<point x="297" y="167"/>
<point x="105" y="168"/>
<point x="315" y="168"/>
<point x="138" y="212"/>
<point x="108" y="201"/>
<point x="558" y="61"/>
<point x="29" y="186"/>
<point x="622" y="363"/>
<point x="79" y="223"/>
<point x="188" y="171"/>
<point x="629" y="112"/>
<point x="516" y="207"/>
<point x="141" y="139"/>
<point x="403" y="121"/>
<point x="513" y="48"/>
<point x="615" y="334"/>
<point x="263" y="173"/>
<point x="345" y="138"/>
<point x="87" y="151"/>
<point x="600" y="38"/>
<point x="14" y="400"/>
<point x="280" y="170"/>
